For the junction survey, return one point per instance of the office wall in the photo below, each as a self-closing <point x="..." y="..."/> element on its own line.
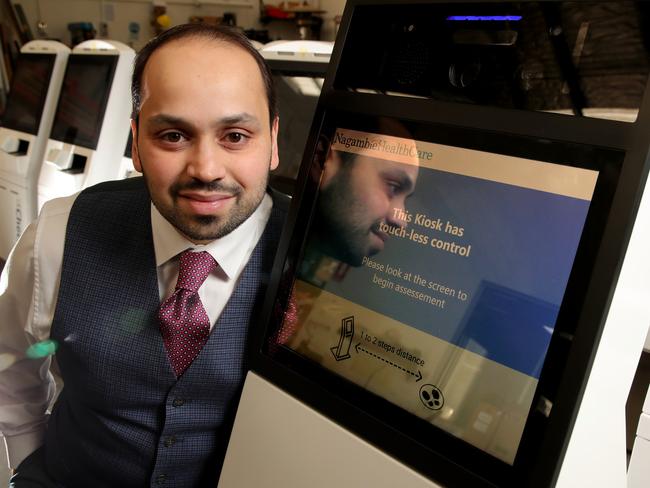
<point x="118" y="14"/>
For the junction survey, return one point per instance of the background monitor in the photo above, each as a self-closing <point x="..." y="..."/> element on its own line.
<point x="27" y="93"/>
<point x="298" y="69"/>
<point x="297" y="98"/>
<point x="81" y="107"/>
<point x="129" y="145"/>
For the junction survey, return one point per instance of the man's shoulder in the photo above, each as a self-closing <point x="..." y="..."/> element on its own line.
<point x="115" y="196"/>
<point x="57" y="207"/>
<point x="281" y="201"/>
<point x="120" y="203"/>
<point x="278" y="216"/>
<point x="129" y="184"/>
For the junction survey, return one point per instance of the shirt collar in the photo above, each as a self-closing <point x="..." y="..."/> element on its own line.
<point x="228" y="251"/>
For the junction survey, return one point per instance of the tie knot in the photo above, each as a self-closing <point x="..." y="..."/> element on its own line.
<point x="194" y="269"/>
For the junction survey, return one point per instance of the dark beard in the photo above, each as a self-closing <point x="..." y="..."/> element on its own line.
<point x="206" y="228"/>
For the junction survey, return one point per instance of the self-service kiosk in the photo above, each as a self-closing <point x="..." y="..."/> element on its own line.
<point x="24" y="128"/>
<point x="459" y="298"/>
<point x="91" y="124"/>
<point x="298" y="69"/>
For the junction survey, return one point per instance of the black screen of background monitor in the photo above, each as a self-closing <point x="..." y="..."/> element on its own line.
<point x="296" y="101"/>
<point x="129" y="145"/>
<point x="28" y="92"/>
<point x="296" y="107"/>
<point x="564" y="56"/>
<point x="606" y="162"/>
<point x="84" y="95"/>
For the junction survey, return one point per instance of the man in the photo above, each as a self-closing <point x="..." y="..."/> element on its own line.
<point x="359" y="203"/>
<point x="147" y="286"/>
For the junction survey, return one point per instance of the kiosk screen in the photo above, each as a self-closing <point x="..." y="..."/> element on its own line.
<point x="434" y="276"/>
<point x="86" y="86"/>
<point x="28" y="92"/>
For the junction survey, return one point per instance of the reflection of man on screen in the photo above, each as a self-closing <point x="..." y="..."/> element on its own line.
<point x="361" y="202"/>
<point x="361" y="197"/>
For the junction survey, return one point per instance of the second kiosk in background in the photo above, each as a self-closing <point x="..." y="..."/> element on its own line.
<point x="91" y="125"/>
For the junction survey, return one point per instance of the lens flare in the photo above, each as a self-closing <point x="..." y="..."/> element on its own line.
<point x="42" y="349"/>
<point x="6" y="360"/>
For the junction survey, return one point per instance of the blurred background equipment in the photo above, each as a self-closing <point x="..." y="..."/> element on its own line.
<point x="160" y="20"/>
<point x="306" y="17"/>
<point x="80" y="32"/>
<point x="298" y="69"/>
<point x="91" y="124"/>
<point x="24" y="128"/>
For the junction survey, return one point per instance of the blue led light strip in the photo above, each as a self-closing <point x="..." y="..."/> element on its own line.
<point x="513" y="18"/>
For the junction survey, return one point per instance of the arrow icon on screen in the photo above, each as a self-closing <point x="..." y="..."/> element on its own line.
<point x="360" y="349"/>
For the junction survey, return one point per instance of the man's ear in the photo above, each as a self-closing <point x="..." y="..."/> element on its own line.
<point x="275" y="157"/>
<point x="135" y="154"/>
<point x="331" y="166"/>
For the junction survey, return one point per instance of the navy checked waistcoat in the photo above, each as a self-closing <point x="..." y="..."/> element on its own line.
<point x="123" y="419"/>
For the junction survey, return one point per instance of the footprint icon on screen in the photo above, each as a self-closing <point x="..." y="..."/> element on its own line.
<point x="431" y="397"/>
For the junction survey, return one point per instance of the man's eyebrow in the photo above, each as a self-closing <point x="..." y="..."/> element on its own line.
<point x="236" y="119"/>
<point x="229" y="120"/>
<point x="165" y="120"/>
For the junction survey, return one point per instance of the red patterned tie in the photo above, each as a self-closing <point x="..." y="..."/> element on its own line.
<point x="184" y="324"/>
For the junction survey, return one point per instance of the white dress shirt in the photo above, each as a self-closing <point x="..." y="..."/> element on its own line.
<point x="28" y="292"/>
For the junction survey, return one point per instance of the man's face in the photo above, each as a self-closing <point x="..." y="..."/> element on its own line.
<point x="204" y="140"/>
<point x="356" y="197"/>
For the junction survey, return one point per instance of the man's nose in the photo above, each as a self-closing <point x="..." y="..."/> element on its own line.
<point x="206" y="161"/>
<point x="396" y="215"/>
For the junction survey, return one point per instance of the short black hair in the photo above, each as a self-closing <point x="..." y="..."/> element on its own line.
<point x="207" y="31"/>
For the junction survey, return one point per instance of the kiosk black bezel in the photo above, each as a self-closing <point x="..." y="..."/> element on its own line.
<point x="48" y="60"/>
<point x="592" y="283"/>
<point x="59" y="130"/>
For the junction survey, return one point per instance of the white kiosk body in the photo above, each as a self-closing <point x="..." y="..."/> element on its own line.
<point x="91" y="124"/>
<point x="489" y="334"/>
<point x="24" y="130"/>
<point x="303" y="50"/>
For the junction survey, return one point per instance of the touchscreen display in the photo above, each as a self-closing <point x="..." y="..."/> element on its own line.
<point x="28" y="92"/>
<point x="432" y="276"/>
<point x="84" y="95"/>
